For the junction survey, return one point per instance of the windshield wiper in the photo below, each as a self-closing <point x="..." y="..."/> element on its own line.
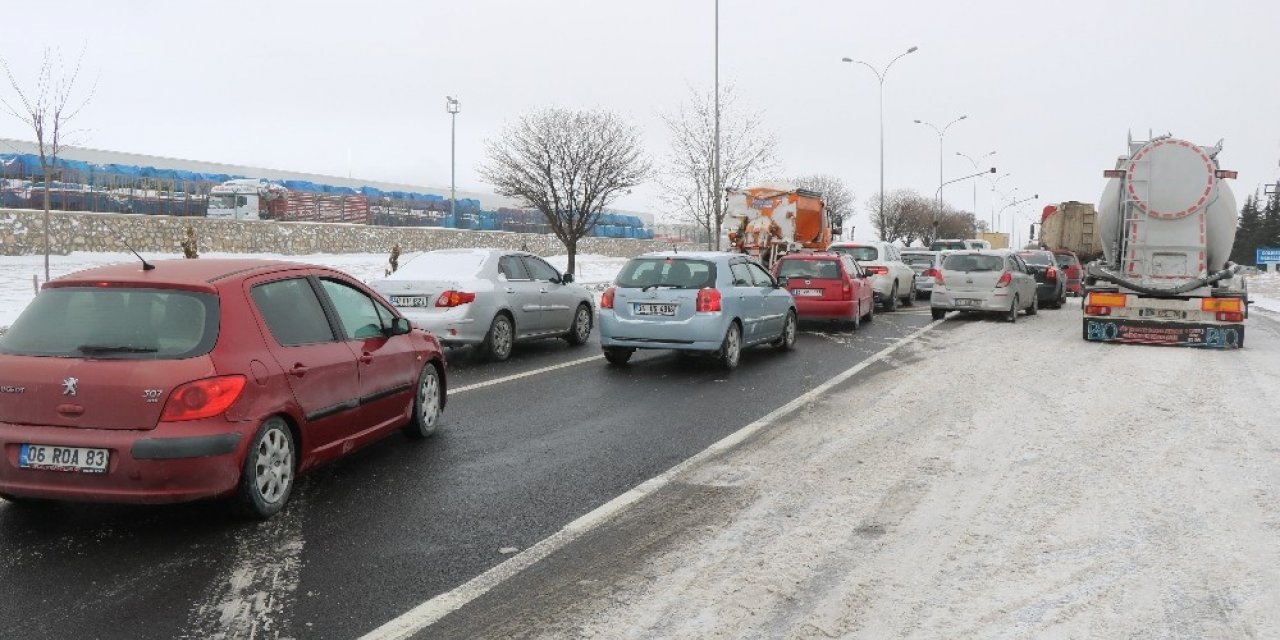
<point x="98" y="348"/>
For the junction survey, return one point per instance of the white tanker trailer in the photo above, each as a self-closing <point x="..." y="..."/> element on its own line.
<point x="1167" y="222"/>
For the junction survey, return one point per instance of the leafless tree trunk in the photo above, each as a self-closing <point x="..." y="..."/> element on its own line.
<point x="47" y="108"/>
<point x="839" y="200"/>
<point x="688" y="183"/>
<point x="567" y="164"/>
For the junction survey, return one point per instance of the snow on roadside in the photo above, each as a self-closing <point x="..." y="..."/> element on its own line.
<point x="1264" y="291"/>
<point x="1138" y="497"/>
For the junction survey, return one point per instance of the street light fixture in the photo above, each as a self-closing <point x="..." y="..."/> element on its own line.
<point x="995" y="182"/>
<point x="880" y="75"/>
<point x="975" y="168"/>
<point x="452" y="106"/>
<point x="938" y="215"/>
<point x="1013" y="219"/>
<point x="942" y="133"/>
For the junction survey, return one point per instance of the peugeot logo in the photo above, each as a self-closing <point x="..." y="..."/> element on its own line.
<point x="69" y="386"/>
<point x="807" y="282"/>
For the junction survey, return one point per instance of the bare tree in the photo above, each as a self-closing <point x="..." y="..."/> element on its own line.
<point x="893" y="222"/>
<point x="835" y="194"/>
<point x="688" y="183"/>
<point x="47" y="108"/>
<point x="567" y="164"/>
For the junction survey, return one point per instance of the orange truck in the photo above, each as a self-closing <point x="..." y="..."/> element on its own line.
<point x="770" y="222"/>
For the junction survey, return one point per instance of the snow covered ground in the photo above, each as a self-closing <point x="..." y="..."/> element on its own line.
<point x="17" y="287"/>
<point x="995" y="481"/>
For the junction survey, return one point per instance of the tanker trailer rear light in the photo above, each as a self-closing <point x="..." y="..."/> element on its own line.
<point x="1221" y="305"/>
<point x="1224" y="173"/>
<point x="1229" y="316"/>
<point x="1100" y="304"/>
<point x="1113" y="173"/>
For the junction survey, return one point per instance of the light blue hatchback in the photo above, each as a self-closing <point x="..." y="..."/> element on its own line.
<point x="710" y="302"/>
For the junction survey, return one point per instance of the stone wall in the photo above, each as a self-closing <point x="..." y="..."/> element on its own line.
<point x="21" y="233"/>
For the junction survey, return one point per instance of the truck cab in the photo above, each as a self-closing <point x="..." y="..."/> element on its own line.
<point x="235" y="200"/>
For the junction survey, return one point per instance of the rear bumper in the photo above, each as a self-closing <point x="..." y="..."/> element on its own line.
<point x="808" y="309"/>
<point x="702" y="332"/>
<point x="197" y="461"/>
<point x="453" y="327"/>
<point x="1163" y="332"/>
<point x="1049" y="291"/>
<point x="985" y="301"/>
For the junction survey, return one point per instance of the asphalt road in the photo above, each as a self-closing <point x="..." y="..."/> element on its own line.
<point x="378" y="533"/>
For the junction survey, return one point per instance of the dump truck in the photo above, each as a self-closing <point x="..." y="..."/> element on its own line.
<point x="996" y="239"/>
<point x="769" y="222"/>
<point x="1166" y="222"/>
<point x="1071" y="226"/>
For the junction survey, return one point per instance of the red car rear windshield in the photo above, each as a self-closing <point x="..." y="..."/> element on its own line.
<point x="809" y="269"/>
<point x="114" y="323"/>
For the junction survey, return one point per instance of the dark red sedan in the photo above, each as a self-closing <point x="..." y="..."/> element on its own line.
<point x="192" y="379"/>
<point x="827" y="286"/>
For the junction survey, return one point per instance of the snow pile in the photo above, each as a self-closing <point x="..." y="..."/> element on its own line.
<point x="1264" y="291"/>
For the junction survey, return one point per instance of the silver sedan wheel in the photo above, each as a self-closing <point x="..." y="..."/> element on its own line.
<point x="273" y="466"/>
<point x="500" y="338"/>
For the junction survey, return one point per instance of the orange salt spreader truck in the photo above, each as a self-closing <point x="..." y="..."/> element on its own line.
<point x="768" y="222"/>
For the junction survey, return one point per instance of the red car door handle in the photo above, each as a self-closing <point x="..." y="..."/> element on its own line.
<point x="298" y="370"/>
<point x="366" y="359"/>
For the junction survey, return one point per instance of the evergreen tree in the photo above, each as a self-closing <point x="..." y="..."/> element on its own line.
<point x="1248" y="233"/>
<point x="1269" y="233"/>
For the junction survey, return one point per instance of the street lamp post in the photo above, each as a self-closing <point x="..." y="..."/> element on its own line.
<point x="719" y="196"/>
<point x="452" y="106"/>
<point x="880" y="75"/>
<point x="993" y="198"/>
<point x="975" y="168"/>
<point x="1013" y="219"/>
<point x="939" y="194"/>
<point x="942" y="133"/>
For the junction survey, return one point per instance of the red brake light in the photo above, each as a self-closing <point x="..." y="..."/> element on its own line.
<point x="877" y="270"/>
<point x="606" y="298"/>
<point x="1006" y="279"/>
<point x="932" y="273"/>
<point x="708" y="301"/>
<point x="1097" y="310"/>
<point x="202" y="398"/>
<point x="1051" y="274"/>
<point x="846" y="289"/>
<point x="453" y="298"/>
<point x="1230" y="316"/>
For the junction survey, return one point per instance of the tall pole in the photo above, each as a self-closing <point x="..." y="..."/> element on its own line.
<point x="880" y="76"/>
<point x="717" y="196"/>
<point x="451" y="105"/>
<point x="942" y="134"/>
<point x="975" y="184"/>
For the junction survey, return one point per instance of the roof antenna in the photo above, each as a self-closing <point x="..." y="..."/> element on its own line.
<point x="146" y="266"/>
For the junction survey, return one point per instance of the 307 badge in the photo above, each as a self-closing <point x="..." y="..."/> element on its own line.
<point x="152" y="396"/>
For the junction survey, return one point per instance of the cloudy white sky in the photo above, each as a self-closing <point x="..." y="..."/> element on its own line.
<point x="1053" y="87"/>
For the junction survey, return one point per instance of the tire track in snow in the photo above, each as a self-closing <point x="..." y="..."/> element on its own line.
<point x="254" y="595"/>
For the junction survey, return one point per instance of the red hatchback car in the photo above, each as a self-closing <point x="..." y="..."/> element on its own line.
<point x="827" y="286"/>
<point x="192" y="379"/>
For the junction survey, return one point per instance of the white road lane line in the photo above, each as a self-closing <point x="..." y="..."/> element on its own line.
<point x="427" y="613"/>
<point x="526" y="374"/>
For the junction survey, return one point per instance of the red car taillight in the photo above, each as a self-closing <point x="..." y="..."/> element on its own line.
<point x="202" y="398"/>
<point x="1050" y="274"/>
<point x="708" y="300"/>
<point x="606" y="298"/>
<point x="846" y="289"/>
<point x="453" y="298"/>
<point x="1005" y="280"/>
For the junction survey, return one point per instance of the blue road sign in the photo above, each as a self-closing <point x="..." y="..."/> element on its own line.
<point x="1268" y="254"/>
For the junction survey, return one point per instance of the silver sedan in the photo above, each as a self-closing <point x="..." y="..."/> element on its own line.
<point x="491" y="298"/>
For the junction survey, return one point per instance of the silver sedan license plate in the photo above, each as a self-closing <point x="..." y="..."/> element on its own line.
<point x="410" y="301"/>
<point x="967" y="302"/>
<point x="55" y="458"/>
<point x="653" y="309"/>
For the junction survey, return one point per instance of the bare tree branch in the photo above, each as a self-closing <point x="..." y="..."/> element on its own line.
<point x="746" y="152"/>
<point x="567" y="164"/>
<point x="47" y="111"/>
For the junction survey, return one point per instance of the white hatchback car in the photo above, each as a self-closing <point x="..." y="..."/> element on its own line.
<point x="892" y="281"/>
<point x="996" y="281"/>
